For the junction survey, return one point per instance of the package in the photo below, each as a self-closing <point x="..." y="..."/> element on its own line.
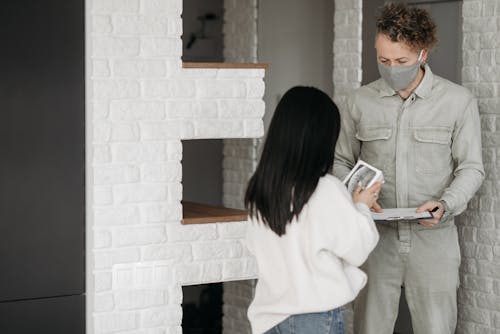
<point x="363" y="174"/>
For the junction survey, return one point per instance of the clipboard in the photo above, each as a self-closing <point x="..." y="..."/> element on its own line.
<point x="398" y="214"/>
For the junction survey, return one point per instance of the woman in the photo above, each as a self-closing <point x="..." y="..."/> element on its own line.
<point x="307" y="235"/>
<point x="423" y="132"/>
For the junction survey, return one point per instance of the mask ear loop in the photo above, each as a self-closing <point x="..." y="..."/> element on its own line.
<point x="420" y="57"/>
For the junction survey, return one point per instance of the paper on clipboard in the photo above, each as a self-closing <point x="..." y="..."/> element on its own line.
<point x="389" y="215"/>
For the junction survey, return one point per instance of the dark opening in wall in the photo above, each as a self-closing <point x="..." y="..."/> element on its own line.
<point x="202" y="171"/>
<point x="202" y="309"/>
<point x="202" y="184"/>
<point x="202" y="38"/>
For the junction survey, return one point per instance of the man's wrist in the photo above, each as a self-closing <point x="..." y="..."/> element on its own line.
<point x="445" y="205"/>
<point x="447" y="213"/>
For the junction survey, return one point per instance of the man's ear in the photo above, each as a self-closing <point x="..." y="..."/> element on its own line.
<point x="425" y="53"/>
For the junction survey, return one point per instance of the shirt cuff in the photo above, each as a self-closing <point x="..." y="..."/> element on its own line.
<point x="445" y="205"/>
<point x="447" y="213"/>
<point x="362" y="207"/>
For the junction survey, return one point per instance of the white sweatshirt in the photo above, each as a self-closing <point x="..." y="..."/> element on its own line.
<point x="313" y="266"/>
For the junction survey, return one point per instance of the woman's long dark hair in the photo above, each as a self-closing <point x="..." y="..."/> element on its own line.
<point x="298" y="150"/>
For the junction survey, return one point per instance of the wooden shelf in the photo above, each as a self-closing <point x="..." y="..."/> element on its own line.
<point x="197" y="213"/>
<point x="225" y="65"/>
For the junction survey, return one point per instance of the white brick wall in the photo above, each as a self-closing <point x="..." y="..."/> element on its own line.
<point x="479" y="294"/>
<point x="239" y="162"/>
<point x="240" y="45"/>
<point x="239" y="293"/>
<point x="239" y="155"/>
<point x="240" y="31"/>
<point x="347" y="48"/>
<point x="140" y="104"/>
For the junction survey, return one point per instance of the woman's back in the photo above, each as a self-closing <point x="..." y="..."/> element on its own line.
<point x="313" y="266"/>
<point x="305" y="232"/>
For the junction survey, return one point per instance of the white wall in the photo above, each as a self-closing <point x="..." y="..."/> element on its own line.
<point x="140" y="104"/>
<point x="240" y="46"/>
<point x="203" y="185"/>
<point x="479" y="226"/>
<point x="240" y="155"/>
<point x="347" y="48"/>
<point x="240" y="31"/>
<point x="295" y="37"/>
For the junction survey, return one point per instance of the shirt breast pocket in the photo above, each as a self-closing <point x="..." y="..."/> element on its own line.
<point x="432" y="149"/>
<point x="376" y="145"/>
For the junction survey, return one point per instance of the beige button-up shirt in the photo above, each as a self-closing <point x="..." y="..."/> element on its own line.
<point x="428" y="146"/>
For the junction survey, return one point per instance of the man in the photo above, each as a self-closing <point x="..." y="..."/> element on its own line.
<point x="423" y="132"/>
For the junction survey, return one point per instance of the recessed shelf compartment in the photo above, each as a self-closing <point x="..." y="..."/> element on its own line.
<point x="197" y="213"/>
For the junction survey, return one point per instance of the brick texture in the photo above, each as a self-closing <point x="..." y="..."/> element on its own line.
<point x="479" y="226"/>
<point x="347" y="48"/>
<point x="239" y="158"/>
<point x="141" y="103"/>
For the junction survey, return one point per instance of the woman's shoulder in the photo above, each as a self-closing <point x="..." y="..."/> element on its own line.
<point x="330" y="180"/>
<point x="331" y="185"/>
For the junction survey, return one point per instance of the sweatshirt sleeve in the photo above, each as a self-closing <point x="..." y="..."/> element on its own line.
<point x="340" y="226"/>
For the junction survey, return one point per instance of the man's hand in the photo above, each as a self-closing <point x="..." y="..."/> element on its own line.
<point x="437" y="210"/>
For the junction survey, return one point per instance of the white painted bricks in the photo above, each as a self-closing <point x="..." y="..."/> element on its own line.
<point x="347" y="48"/>
<point x="347" y="74"/>
<point x="240" y="293"/>
<point x="479" y="294"/>
<point x="240" y="30"/>
<point x="141" y="103"/>
<point x="239" y="156"/>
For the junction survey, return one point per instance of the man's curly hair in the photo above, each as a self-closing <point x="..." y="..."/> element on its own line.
<point x="410" y="25"/>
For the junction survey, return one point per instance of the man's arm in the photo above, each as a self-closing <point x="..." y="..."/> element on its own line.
<point x="348" y="147"/>
<point x="467" y="154"/>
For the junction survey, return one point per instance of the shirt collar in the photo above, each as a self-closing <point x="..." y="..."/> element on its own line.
<point x="423" y="90"/>
<point x="385" y="89"/>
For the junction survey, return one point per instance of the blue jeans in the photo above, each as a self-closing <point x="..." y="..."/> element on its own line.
<point x="329" y="322"/>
